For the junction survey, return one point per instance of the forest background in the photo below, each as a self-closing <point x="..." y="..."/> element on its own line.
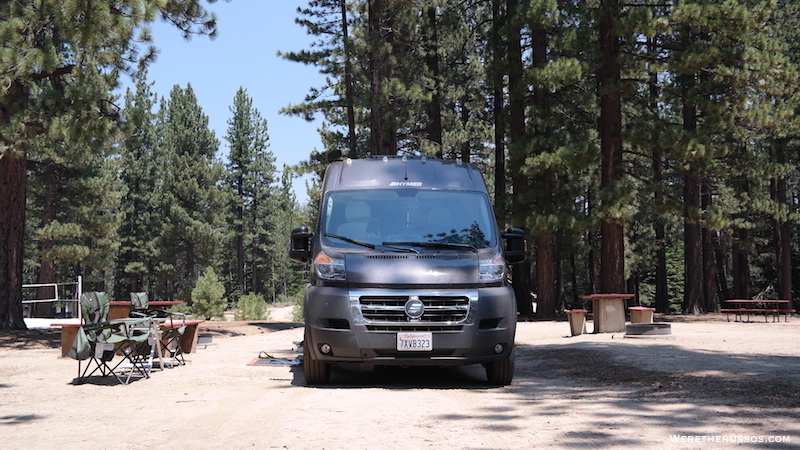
<point x="647" y="147"/>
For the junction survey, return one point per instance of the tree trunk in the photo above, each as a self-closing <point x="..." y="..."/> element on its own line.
<point x="709" y="263"/>
<point x="240" y="256"/>
<point x="740" y="258"/>
<point x="545" y="239"/>
<point x="591" y="238"/>
<point x="377" y="107"/>
<point x="13" y="173"/>
<point x="575" y="301"/>
<point x="693" y="257"/>
<point x="722" y="281"/>
<point x="348" y="85"/>
<point x="661" y="293"/>
<point x="741" y="266"/>
<point x="612" y="247"/>
<point x="521" y="273"/>
<point x="47" y="266"/>
<point x="692" y="239"/>
<point x="558" y="273"/>
<point x="659" y="227"/>
<point x="500" y="194"/>
<point x="432" y="61"/>
<point x="466" y="147"/>
<point x="782" y="228"/>
<point x="191" y="266"/>
<point x="545" y="276"/>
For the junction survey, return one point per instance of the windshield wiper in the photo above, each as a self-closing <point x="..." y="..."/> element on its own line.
<point x="351" y="240"/>
<point x="367" y="244"/>
<point x="435" y="245"/>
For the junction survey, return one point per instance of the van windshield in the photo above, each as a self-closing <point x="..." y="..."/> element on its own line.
<point x="382" y="216"/>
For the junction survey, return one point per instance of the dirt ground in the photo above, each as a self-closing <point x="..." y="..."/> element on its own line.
<point x="710" y="384"/>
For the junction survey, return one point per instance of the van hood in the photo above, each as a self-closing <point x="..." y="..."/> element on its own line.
<point x="404" y="269"/>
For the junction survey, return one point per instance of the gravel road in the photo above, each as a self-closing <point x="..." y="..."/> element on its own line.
<point x="711" y="384"/>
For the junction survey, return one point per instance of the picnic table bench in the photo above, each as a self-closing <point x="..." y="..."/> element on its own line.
<point x="641" y="314"/>
<point x="740" y="307"/>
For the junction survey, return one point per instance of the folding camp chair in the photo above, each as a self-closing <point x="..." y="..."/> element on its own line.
<point x="169" y="333"/>
<point x="171" y="344"/>
<point x="98" y="340"/>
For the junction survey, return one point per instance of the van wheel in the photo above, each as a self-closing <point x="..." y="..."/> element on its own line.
<point x="315" y="371"/>
<point x="501" y="373"/>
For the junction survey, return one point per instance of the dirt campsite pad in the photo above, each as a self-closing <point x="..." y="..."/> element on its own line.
<point x="711" y="384"/>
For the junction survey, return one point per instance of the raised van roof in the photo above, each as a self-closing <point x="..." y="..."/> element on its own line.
<point x="390" y="172"/>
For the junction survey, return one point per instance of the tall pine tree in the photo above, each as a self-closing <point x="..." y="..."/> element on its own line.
<point x="59" y="61"/>
<point x="251" y="172"/>
<point x="192" y="201"/>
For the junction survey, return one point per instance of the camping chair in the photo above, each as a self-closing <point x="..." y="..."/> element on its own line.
<point x="98" y="340"/>
<point x="170" y="340"/>
<point x="169" y="334"/>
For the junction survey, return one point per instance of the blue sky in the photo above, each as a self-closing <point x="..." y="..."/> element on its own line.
<point x="250" y="33"/>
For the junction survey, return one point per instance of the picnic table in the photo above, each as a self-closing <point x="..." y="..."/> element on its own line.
<point x="739" y="307"/>
<point x="608" y="311"/>
<point x="122" y="309"/>
<point x="188" y="340"/>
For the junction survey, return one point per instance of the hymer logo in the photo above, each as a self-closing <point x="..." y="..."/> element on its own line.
<point x="405" y="184"/>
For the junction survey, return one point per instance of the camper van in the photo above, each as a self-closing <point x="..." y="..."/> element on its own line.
<point x="408" y="268"/>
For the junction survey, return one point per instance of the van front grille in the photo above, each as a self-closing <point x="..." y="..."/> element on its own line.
<point x="391" y="309"/>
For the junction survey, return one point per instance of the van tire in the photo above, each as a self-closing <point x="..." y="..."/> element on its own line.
<point x="501" y="372"/>
<point x="315" y="371"/>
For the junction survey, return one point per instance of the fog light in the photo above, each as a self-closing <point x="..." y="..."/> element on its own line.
<point x="499" y="348"/>
<point x="325" y="348"/>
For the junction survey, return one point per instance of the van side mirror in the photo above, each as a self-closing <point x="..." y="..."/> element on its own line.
<point x="300" y="245"/>
<point x="516" y="248"/>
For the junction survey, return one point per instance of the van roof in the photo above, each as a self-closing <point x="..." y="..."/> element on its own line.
<point x="415" y="172"/>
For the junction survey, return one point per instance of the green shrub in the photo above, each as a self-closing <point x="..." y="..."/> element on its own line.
<point x="208" y="295"/>
<point x="251" y="307"/>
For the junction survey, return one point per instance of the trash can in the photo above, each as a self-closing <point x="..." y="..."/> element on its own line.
<point x="577" y="321"/>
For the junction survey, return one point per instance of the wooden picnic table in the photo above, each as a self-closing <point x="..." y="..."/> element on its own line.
<point x="748" y="306"/>
<point x="188" y="340"/>
<point x="608" y="311"/>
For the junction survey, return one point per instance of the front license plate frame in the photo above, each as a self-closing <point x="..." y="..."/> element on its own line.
<point x="415" y="342"/>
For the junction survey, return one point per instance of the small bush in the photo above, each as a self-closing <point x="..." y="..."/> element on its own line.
<point x="208" y="295"/>
<point x="251" y="307"/>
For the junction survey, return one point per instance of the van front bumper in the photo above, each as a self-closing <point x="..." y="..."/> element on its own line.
<point x="361" y="326"/>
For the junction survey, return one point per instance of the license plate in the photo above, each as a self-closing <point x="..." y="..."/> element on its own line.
<point x="414" y="342"/>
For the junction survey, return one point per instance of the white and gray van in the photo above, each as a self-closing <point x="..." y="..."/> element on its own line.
<point x="408" y="267"/>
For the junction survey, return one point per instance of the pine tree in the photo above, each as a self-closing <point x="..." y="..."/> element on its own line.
<point x="59" y="61"/>
<point x="142" y="176"/>
<point x="287" y="278"/>
<point x="192" y="199"/>
<point x="333" y="54"/>
<point x="209" y="295"/>
<point x="73" y="215"/>
<point x="723" y="66"/>
<point x="251" y="172"/>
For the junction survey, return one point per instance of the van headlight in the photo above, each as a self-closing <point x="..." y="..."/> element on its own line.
<point x="493" y="269"/>
<point x="329" y="268"/>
